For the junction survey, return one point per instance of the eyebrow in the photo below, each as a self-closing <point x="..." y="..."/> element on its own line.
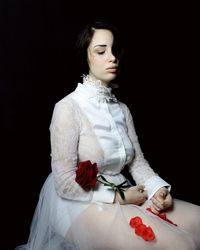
<point x="100" y="45"/>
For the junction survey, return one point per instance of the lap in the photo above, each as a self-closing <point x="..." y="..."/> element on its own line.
<point x="107" y="227"/>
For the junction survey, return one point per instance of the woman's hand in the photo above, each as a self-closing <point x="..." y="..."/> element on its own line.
<point x="133" y="195"/>
<point x="161" y="200"/>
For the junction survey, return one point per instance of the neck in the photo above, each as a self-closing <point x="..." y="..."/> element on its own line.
<point x="103" y="83"/>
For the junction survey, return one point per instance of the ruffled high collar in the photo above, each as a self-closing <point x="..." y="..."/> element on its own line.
<point x="95" y="88"/>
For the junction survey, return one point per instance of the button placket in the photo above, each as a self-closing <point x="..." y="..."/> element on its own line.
<point x="115" y="130"/>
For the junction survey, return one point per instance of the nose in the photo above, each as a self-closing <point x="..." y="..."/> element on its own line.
<point x="112" y="57"/>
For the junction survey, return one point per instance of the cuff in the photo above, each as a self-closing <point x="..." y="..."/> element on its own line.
<point x="153" y="184"/>
<point x="103" y="194"/>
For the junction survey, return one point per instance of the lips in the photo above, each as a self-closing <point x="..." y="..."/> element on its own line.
<point x="112" y="69"/>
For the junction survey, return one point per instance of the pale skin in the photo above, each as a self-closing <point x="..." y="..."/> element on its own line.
<point x="103" y="65"/>
<point x="161" y="200"/>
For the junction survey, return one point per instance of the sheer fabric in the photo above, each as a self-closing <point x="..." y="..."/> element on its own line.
<point x="90" y="124"/>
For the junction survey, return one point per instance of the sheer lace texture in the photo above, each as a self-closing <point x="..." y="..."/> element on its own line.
<point x="65" y="129"/>
<point x="89" y="124"/>
<point x="109" y="139"/>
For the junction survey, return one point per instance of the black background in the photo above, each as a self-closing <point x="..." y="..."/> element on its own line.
<point x="158" y="82"/>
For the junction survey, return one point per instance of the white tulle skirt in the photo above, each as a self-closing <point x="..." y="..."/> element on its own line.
<point x="60" y="224"/>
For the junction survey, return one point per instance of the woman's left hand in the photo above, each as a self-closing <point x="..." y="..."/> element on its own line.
<point x="161" y="200"/>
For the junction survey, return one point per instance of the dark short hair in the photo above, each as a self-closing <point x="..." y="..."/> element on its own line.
<point x="85" y="37"/>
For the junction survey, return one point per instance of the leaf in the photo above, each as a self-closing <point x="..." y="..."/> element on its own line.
<point x="121" y="194"/>
<point x="103" y="178"/>
<point x="118" y="188"/>
<point x="105" y="184"/>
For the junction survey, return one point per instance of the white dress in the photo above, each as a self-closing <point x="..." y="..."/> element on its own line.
<point x="90" y="124"/>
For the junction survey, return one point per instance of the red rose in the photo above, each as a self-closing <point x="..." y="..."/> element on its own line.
<point x="86" y="174"/>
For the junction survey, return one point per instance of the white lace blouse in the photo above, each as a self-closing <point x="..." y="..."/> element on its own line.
<point x="90" y="124"/>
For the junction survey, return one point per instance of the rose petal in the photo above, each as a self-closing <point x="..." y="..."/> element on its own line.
<point x="135" y="221"/>
<point x="148" y="234"/>
<point x="139" y="230"/>
<point x="86" y="173"/>
<point x="163" y="216"/>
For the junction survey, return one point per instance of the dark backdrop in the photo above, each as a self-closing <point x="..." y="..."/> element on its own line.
<point x="158" y="83"/>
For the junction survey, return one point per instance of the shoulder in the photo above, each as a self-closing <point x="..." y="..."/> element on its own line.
<point x="124" y="107"/>
<point x="65" y="102"/>
<point x="65" y="107"/>
<point x="65" y="112"/>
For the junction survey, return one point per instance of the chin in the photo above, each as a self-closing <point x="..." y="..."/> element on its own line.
<point x="111" y="77"/>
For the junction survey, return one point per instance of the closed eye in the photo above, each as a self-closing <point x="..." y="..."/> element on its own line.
<point x="101" y="52"/>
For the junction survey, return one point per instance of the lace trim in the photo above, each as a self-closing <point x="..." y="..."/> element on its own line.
<point x="102" y="91"/>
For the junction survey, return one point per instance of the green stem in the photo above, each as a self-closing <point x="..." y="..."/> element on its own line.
<point x="117" y="188"/>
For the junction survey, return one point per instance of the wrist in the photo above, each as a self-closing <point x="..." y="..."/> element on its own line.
<point x="118" y="199"/>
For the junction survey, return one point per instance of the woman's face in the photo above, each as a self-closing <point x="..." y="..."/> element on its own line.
<point x="103" y="65"/>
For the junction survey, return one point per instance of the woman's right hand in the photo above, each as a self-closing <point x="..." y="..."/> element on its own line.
<point x="133" y="195"/>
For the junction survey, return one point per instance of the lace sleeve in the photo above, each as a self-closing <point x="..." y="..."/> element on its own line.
<point x="139" y="167"/>
<point x="64" y="131"/>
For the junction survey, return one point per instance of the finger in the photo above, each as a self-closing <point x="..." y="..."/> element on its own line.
<point x="161" y="196"/>
<point x="163" y="193"/>
<point x="167" y="202"/>
<point x="145" y="194"/>
<point x="160" y="199"/>
<point x="159" y="206"/>
<point x="142" y="198"/>
<point x="140" y="188"/>
<point x="154" y="210"/>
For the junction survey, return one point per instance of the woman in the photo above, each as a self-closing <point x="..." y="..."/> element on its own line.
<point x="91" y="130"/>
